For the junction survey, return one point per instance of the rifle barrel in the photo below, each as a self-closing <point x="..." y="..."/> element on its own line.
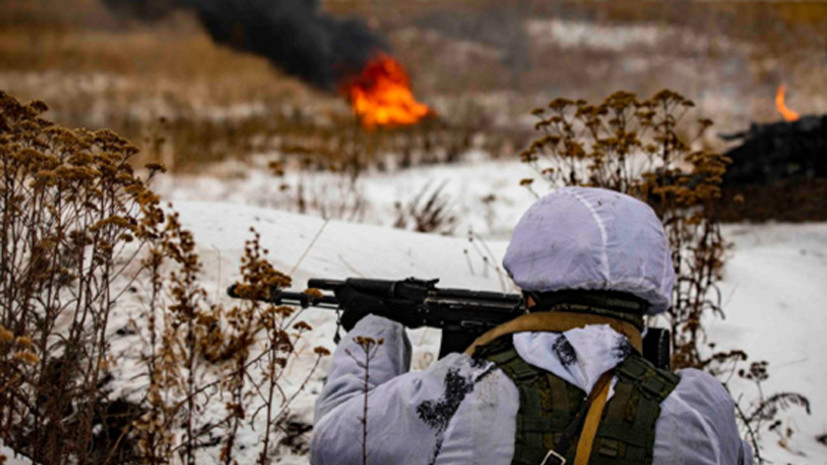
<point x="293" y="298"/>
<point x="307" y="300"/>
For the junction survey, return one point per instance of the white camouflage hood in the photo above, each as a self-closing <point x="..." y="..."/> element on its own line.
<point x="590" y="238"/>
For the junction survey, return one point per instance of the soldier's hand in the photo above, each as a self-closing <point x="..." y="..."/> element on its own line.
<point x="356" y="305"/>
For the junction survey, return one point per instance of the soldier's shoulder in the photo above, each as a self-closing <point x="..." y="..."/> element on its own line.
<point x="700" y="389"/>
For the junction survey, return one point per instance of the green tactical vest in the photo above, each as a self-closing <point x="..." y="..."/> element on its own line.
<point x="626" y="435"/>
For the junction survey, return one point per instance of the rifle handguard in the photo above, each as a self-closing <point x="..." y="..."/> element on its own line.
<point x="462" y="315"/>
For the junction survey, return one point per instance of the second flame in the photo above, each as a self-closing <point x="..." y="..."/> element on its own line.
<point x="788" y="114"/>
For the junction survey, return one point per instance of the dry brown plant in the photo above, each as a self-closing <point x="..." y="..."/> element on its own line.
<point x="72" y="222"/>
<point x="80" y="228"/>
<point x="369" y="347"/>
<point x="203" y="353"/>
<point x="640" y="148"/>
<point x="429" y="211"/>
<point x="329" y="189"/>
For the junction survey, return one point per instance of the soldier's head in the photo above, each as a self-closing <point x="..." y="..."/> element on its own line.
<point x="592" y="245"/>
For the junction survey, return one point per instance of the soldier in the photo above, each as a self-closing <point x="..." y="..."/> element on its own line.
<point x="565" y="383"/>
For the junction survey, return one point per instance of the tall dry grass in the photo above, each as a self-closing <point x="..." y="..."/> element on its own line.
<point x="80" y="231"/>
<point x="72" y="213"/>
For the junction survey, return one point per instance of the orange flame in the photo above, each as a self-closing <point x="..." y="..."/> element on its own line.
<point x="788" y="114"/>
<point x="381" y="95"/>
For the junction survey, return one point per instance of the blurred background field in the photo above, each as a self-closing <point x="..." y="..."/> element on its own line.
<point x="482" y="65"/>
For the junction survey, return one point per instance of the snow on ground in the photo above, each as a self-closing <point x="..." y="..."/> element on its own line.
<point x="484" y="195"/>
<point x="773" y="291"/>
<point x="11" y="458"/>
<point x="772" y="294"/>
<point x="774" y="297"/>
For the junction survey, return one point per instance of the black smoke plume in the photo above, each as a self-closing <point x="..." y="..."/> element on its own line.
<point x="293" y="34"/>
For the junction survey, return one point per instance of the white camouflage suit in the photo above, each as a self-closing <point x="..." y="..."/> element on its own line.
<point x="463" y="411"/>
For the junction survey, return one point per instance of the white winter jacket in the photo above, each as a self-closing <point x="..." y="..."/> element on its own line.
<point x="461" y="411"/>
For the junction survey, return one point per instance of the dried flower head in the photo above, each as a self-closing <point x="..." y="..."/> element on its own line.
<point x="321" y="351"/>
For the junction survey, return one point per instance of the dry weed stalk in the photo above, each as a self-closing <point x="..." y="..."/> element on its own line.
<point x="174" y="347"/>
<point x="489" y="260"/>
<point x="427" y="213"/>
<point x="329" y="189"/>
<point x="237" y="355"/>
<point x="369" y="347"/>
<point x="333" y="190"/>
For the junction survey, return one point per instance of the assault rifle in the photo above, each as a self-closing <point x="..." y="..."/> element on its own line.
<point x="462" y="315"/>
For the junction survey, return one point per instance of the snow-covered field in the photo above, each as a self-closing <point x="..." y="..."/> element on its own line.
<point x="773" y="291"/>
<point x="484" y="195"/>
<point x="774" y="297"/>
